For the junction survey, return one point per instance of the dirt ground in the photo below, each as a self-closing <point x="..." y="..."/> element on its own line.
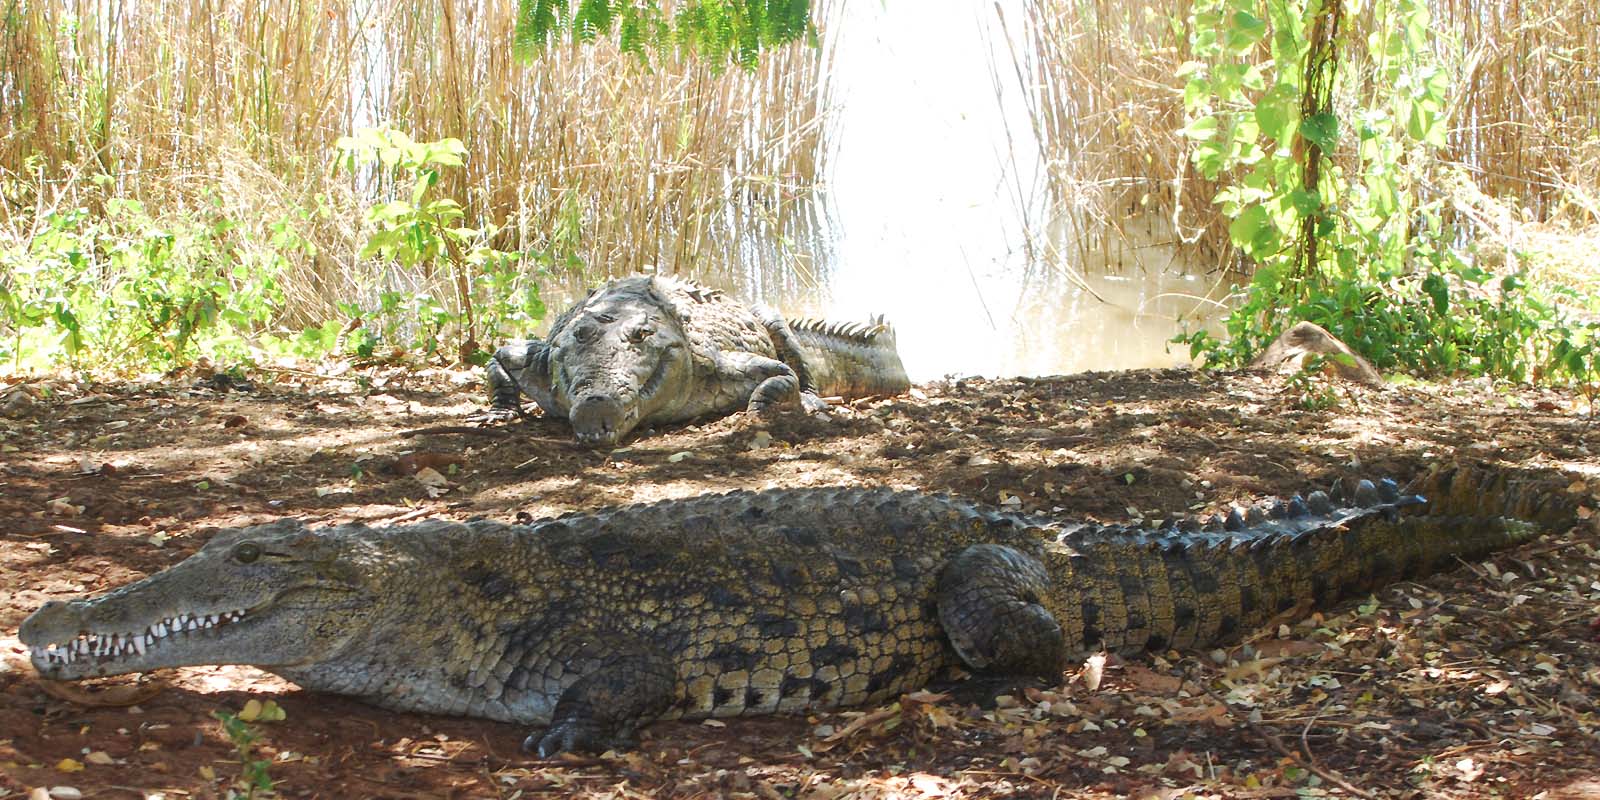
<point x="1477" y="683"/>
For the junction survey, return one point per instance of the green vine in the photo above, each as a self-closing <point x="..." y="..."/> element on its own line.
<point x="1322" y="147"/>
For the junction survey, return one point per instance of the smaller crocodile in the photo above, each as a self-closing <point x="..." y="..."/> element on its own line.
<point x="590" y="625"/>
<point x="654" y="350"/>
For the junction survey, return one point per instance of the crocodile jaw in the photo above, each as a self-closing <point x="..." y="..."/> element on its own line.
<point x="271" y="595"/>
<point x="64" y="644"/>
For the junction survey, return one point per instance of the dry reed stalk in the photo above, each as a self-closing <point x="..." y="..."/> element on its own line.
<point x="1532" y="100"/>
<point x="1107" y="110"/>
<point x="248" y="96"/>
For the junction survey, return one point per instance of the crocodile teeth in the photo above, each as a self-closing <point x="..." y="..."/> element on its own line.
<point x="123" y="644"/>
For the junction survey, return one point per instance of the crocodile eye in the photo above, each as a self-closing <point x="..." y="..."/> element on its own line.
<point x="639" y="334"/>
<point x="246" y="552"/>
<point x="605" y="319"/>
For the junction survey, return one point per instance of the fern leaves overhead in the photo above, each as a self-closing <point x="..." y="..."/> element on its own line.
<point x="720" y="31"/>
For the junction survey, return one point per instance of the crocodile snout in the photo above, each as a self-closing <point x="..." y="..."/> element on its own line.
<point x="601" y="420"/>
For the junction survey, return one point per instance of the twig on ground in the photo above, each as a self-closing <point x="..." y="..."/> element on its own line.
<point x="469" y="430"/>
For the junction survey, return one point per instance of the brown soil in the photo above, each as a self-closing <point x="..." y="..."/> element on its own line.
<point x="1476" y="683"/>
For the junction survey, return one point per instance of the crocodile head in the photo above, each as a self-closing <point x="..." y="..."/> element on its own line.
<point x="273" y="595"/>
<point x="615" y="363"/>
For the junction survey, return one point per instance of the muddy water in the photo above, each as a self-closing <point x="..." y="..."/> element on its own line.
<point x="933" y="213"/>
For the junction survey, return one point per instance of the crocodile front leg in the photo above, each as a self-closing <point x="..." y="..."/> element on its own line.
<point x="521" y="367"/>
<point x="624" y="686"/>
<point x="990" y="607"/>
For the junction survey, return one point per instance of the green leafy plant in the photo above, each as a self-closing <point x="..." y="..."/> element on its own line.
<point x="422" y="232"/>
<point x="253" y="773"/>
<point x="1309" y="386"/>
<point x="718" y="30"/>
<point x="123" y="289"/>
<point x="1321" y="146"/>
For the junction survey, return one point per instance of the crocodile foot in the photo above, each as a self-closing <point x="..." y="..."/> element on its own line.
<point x="496" y="415"/>
<point x="577" y="736"/>
<point x="984" y="690"/>
<point x="813" y="404"/>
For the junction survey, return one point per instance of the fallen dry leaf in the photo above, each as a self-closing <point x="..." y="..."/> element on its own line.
<point x="412" y="463"/>
<point x="63" y="507"/>
<point x="432" y="481"/>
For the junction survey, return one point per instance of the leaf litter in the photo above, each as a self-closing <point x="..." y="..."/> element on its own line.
<point x="1479" y="682"/>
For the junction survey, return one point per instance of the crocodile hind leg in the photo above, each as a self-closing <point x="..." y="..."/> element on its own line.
<point x="788" y="346"/>
<point x="603" y="710"/>
<point x="989" y="605"/>
<point x="777" y="384"/>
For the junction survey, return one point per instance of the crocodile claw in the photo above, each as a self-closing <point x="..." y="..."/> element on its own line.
<point x="575" y="736"/>
<point x="496" y="415"/>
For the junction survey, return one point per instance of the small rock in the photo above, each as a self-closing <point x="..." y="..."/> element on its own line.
<point x="65" y="793"/>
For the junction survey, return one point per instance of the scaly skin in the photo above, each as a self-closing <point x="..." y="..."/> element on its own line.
<point x="746" y="603"/>
<point x="646" y="350"/>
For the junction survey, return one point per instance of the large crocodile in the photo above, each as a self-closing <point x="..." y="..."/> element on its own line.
<point x="592" y="624"/>
<point x="647" y="350"/>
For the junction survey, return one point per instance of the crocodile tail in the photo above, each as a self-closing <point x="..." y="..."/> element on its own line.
<point x="1134" y="589"/>
<point x="852" y="359"/>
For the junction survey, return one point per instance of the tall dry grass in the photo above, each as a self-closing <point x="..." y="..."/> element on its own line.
<point x="231" y="107"/>
<point x="1107" y="109"/>
<point x="1528" y="127"/>
<point x="1107" y="106"/>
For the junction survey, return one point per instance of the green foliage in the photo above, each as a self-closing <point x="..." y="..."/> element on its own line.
<point x="415" y="231"/>
<point x="109" y="286"/>
<point x="423" y="231"/>
<point x="121" y="288"/>
<point x="720" y="31"/>
<point x="252" y="771"/>
<point x="1322" y="185"/>
<point x="1310" y="387"/>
